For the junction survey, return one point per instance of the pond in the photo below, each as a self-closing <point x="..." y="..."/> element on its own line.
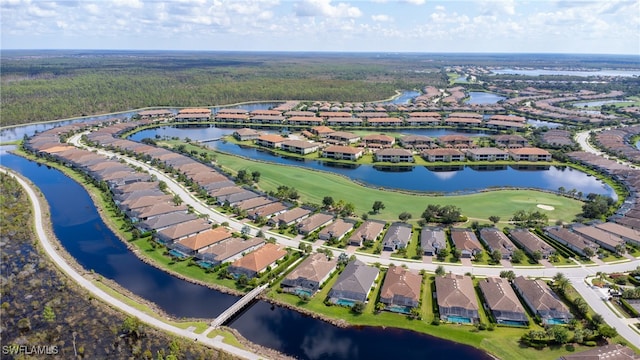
<point x="83" y="234"/>
<point x="483" y="98"/>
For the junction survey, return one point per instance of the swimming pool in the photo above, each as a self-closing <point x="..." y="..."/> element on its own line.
<point x="458" y="319"/>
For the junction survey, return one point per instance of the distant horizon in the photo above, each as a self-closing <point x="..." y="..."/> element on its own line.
<point x="396" y="26"/>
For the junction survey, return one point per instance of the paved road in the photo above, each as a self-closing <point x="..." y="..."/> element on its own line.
<point x="60" y="262"/>
<point x="577" y="272"/>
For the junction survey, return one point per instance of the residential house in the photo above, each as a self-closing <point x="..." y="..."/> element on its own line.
<point x="378" y="141"/>
<point x="229" y="250"/>
<point x="354" y="284"/>
<point x="304" y="120"/>
<point x="336" y="230"/>
<point x="529" y="154"/>
<point x="156" y="210"/>
<point x="299" y="146"/>
<point x="368" y="231"/>
<point x="432" y="240"/>
<point x="456" y="299"/>
<point x="256" y="262"/>
<point x="322" y="131"/>
<point x="442" y="154"/>
<point x="466" y="241"/>
<point x="201" y="241"/>
<point x="232" y="118"/>
<point x="542" y="301"/>
<point x="510" y="141"/>
<point x="340" y="152"/>
<point x="487" y="154"/>
<point x="153" y="114"/>
<point x="343" y="121"/>
<point x="161" y="222"/>
<point x="193" y="115"/>
<point x="384" y="121"/>
<point x="495" y="239"/>
<point x="571" y="239"/>
<point x="531" y="243"/>
<point x="456" y="141"/>
<point x="179" y="231"/>
<point x="314" y="222"/>
<point x="605" y="239"/>
<point x="417" y="142"/>
<point x="307" y="277"/>
<point x="273" y="141"/>
<point x="626" y="233"/>
<point x="462" y="121"/>
<point x="503" y="302"/>
<point x="267" y="119"/>
<point x="342" y="137"/>
<point x="401" y="289"/>
<point x="290" y="217"/>
<point x="397" y="236"/>
<point x="393" y="155"/>
<point x="267" y="211"/>
<point x="245" y="134"/>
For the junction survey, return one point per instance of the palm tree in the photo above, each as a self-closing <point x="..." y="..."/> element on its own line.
<point x="561" y="282"/>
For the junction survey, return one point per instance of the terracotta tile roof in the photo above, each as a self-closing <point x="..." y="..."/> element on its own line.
<point x="271" y="138"/>
<point x="402" y="282"/>
<point x="369" y="230"/>
<point x="343" y="149"/>
<point x="258" y="260"/>
<point x="195" y="111"/>
<point x="378" y="138"/>
<point x="530" y="151"/>
<point x="206" y="238"/>
<point x="500" y="296"/>
<point x="315" y="268"/>
<point x="456" y="291"/>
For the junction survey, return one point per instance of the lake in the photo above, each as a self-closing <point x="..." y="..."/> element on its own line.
<point x="483" y="98"/>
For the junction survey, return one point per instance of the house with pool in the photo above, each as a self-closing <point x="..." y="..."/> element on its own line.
<point x="257" y="262"/>
<point x="227" y="251"/>
<point x="401" y="290"/>
<point x="542" y="301"/>
<point x="307" y="277"/>
<point x="354" y="284"/>
<point x="503" y="302"/>
<point x="456" y="297"/>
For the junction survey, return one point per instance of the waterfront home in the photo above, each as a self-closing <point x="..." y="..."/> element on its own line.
<point x="193" y="115"/>
<point x="265" y="112"/>
<point x="299" y="146"/>
<point x="605" y="239"/>
<point x="256" y="262"/>
<point x="503" y="302"/>
<point x="510" y="141"/>
<point x="307" y="277"/>
<point x="156" y="210"/>
<point x="304" y="120"/>
<point x="290" y="217"/>
<point x="466" y="115"/>
<point x="466" y="241"/>
<point x="137" y="202"/>
<point x="354" y="284"/>
<point x="342" y="137"/>
<point x="124" y="198"/>
<point x="456" y="141"/>
<point x="511" y="118"/>
<point x="531" y="243"/>
<point x="245" y="134"/>
<point x="626" y="233"/>
<point x="232" y="111"/>
<point x="378" y="141"/>
<point x="229" y="250"/>
<point x="456" y="299"/>
<point x="154" y="114"/>
<point x="164" y="221"/>
<point x="462" y="121"/>
<point x="340" y="152"/>
<point x="334" y="114"/>
<point x="201" y="241"/>
<point x="495" y="239"/>
<point x="322" y="131"/>
<point x="420" y="118"/>
<point x="336" y="230"/>
<point x="397" y="236"/>
<point x="273" y="141"/>
<point x="384" y="121"/>
<point x="542" y="301"/>
<point x="393" y="155"/>
<point x="442" y="154"/>
<point x="487" y="154"/>
<point x="291" y="113"/>
<point x="372" y="115"/>
<point x="417" y="142"/>
<point x="267" y="211"/>
<point x="181" y="230"/>
<point x="344" y="121"/>
<point x="368" y="231"/>
<point x="571" y="239"/>
<point x="432" y="240"/>
<point x="529" y="154"/>
<point x="267" y="119"/>
<point x="232" y="118"/>
<point x="314" y="222"/>
<point x="401" y="289"/>
<point x="505" y="125"/>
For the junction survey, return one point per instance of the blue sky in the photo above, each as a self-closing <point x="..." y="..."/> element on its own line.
<point x="545" y="26"/>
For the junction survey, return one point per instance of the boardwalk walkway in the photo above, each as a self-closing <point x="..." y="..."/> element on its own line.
<point x="238" y="306"/>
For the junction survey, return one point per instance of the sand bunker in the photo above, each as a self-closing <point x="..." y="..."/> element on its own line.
<point x="545" y="207"/>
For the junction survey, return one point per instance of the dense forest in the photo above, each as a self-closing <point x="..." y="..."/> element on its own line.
<point x="47" y="88"/>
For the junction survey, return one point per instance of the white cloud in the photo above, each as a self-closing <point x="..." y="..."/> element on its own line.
<point x="326" y="9"/>
<point x="62" y="24"/>
<point x="496" y="7"/>
<point x="381" y="18"/>
<point x="92" y="9"/>
<point x="40" y="12"/>
<point x="440" y="8"/>
<point x="415" y="2"/>
<point x="135" y="4"/>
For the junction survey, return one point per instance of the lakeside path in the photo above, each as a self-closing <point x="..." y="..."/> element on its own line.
<point x="577" y="274"/>
<point x="60" y="262"/>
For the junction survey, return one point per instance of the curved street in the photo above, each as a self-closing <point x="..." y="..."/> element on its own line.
<point x="576" y="274"/>
<point x="50" y="249"/>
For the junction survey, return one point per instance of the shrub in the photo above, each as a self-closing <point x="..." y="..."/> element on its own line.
<point x="590" y="343"/>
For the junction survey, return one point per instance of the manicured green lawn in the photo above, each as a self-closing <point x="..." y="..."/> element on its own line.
<point x="313" y="186"/>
